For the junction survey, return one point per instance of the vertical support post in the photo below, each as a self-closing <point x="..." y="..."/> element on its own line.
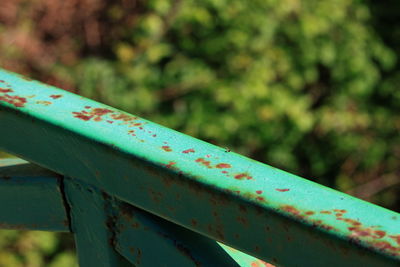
<point x="92" y="224"/>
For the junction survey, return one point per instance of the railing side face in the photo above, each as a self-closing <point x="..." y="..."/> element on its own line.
<point x="30" y="198"/>
<point x="251" y="206"/>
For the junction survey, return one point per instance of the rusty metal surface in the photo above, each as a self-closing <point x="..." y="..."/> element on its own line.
<point x="90" y="213"/>
<point x="30" y="198"/>
<point x="148" y="240"/>
<point x="248" y="205"/>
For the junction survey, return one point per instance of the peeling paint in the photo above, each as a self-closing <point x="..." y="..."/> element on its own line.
<point x="95" y="114"/>
<point x="190" y="150"/>
<point x="16" y="101"/>
<point x="6" y="90"/>
<point x="243" y="176"/>
<point x="282" y="189"/>
<point x="44" y="103"/>
<point x="167" y="148"/>
<point x="223" y="165"/>
<point x="55" y="96"/>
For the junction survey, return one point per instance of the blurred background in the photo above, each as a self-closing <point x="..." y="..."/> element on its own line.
<point x="307" y="86"/>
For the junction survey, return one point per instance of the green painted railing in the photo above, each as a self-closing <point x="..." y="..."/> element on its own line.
<point x="136" y="193"/>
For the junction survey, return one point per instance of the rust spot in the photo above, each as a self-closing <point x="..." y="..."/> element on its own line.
<point x="383" y="245"/>
<point x="282" y="190"/>
<point x="66" y="223"/>
<point x="204" y="162"/>
<point x="185" y="251"/>
<point x="224" y="172"/>
<point x="45" y="103"/>
<point x="260" y="198"/>
<point x="259" y="191"/>
<point x="6" y="90"/>
<point x="193" y="222"/>
<point x="326" y="227"/>
<point x="267" y="264"/>
<point x="242" y="176"/>
<point x="190" y="150"/>
<point x="166" y="148"/>
<point x="395" y="238"/>
<point x="111" y="122"/>
<point x="242" y="208"/>
<point x="359" y="231"/>
<point x="255" y="264"/>
<point x="379" y="233"/>
<point x="241" y="220"/>
<point x="135" y="225"/>
<point x="170" y="164"/>
<point x="95" y="113"/>
<point x="17" y="101"/>
<point x="123" y="117"/>
<point x="340" y="211"/>
<point x="325" y="212"/>
<point x="88" y="107"/>
<point x="223" y="165"/>
<point x="260" y="263"/>
<point x="82" y="116"/>
<point x="55" y="96"/>
<point x="291" y="209"/>
<point x="351" y="221"/>
<point x="309" y="212"/>
<point x="220" y="234"/>
<point x="100" y="111"/>
<point x="1" y="81"/>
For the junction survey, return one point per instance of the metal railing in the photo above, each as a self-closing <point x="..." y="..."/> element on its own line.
<point x="136" y="193"/>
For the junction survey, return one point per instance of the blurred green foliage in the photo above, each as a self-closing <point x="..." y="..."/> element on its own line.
<point x="304" y="85"/>
<point x="36" y="249"/>
<point x="296" y="84"/>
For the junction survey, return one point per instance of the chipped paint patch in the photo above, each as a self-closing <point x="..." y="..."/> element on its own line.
<point x="170" y="164"/>
<point x="95" y="114"/>
<point x="204" y="162"/>
<point x="6" y="90"/>
<point x="16" y="101"/>
<point x="243" y="176"/>
<point x="166" y="148"/>
<point x="282" y="189"/>
<point x="223" y="166"/>
<point x="44" y="103"/>
<point x="55" y="96"/>
<point x="123" y="117"/>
